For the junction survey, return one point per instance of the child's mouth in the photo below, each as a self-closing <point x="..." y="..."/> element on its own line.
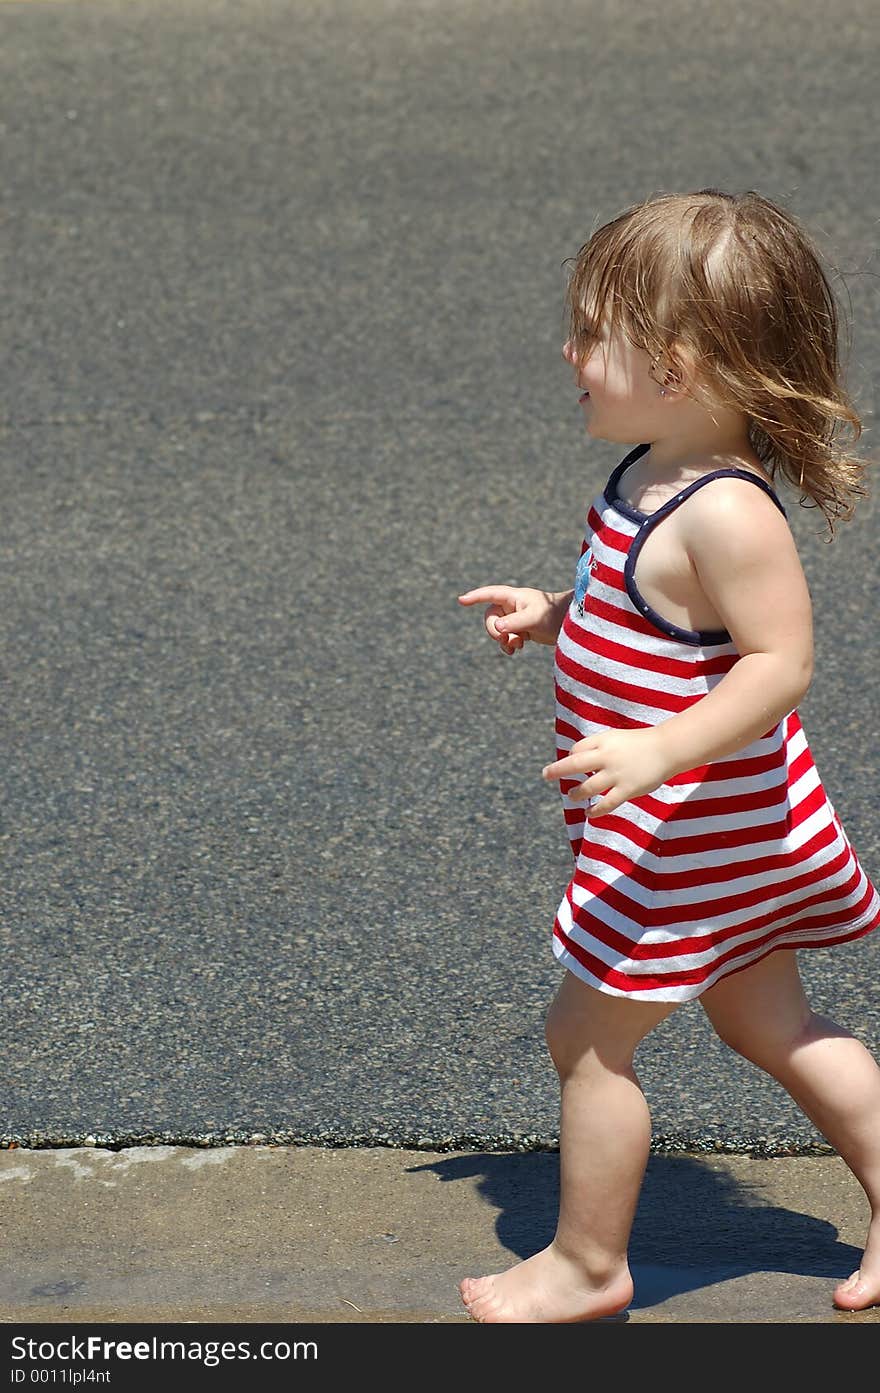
<point x="584" y="397"/>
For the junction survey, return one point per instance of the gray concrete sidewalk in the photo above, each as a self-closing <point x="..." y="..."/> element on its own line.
<point x="273" y="1233"/>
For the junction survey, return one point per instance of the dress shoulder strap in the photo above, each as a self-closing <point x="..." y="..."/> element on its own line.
<point x="612" y="493"/>
<point x="730" y="473"/>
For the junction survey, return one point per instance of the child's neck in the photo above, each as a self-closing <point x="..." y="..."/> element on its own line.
<point x="674" y="453"/>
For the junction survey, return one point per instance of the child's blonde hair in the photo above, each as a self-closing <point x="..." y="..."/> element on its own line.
<point x="735" y="280"/>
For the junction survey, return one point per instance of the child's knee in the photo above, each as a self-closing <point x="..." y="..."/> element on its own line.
<point x="558" y="1038"/>
<point x="582" y="1052"/>
<point x="569" y="1038"/>
<point x="585" y="1028"/>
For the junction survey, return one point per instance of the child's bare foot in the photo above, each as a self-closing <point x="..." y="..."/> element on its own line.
<point x="859" y="1291"/>
<point x="548" y="1287"/>
<point x="862" y="1289"/>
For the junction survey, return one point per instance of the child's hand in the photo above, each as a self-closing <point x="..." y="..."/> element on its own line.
<point x="622" y="764"/>
<point x="517" y="614"/>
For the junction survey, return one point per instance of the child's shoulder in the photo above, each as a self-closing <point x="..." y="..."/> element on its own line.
<point x="736" y="510"/>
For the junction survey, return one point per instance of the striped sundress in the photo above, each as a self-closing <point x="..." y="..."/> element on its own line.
<point x="722" y="864"/>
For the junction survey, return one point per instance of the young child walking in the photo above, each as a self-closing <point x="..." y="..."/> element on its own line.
<point x="703" y="332"/>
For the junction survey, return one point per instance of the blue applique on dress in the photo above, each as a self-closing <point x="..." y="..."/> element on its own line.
<point x="582" y="580"/>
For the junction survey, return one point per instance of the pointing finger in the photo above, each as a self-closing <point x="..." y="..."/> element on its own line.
<point x="487" y="594"/>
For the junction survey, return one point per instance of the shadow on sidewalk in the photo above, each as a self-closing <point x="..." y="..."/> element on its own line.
<point x="695" y="1226"/>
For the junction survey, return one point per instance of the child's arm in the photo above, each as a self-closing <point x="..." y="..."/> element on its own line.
<point x="517" y="613"/>
<point x="746" y="560"/>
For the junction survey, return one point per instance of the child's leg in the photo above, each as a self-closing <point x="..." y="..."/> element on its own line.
<point x="604" y="1140"/>
<point x="763" y="1014"/>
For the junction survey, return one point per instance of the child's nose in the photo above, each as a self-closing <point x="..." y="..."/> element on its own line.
<point x="568" y="351"/>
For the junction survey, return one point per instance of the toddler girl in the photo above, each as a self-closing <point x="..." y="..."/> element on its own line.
<point x="703" y="331"/>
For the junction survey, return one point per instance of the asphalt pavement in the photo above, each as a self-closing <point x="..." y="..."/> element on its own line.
<point x="282" y="320"/>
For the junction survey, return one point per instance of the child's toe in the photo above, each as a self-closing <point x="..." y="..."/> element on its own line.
<point x="851" y="1293"/>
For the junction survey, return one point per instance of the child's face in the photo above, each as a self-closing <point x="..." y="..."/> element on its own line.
<point x="624" y="403"/>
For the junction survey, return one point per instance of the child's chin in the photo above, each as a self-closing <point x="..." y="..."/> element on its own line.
<point x="598" y="432"/>
<point x="612" y="436"/>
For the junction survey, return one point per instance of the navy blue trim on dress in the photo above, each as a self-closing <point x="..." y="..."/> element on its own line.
<point x="611" y="494"/>
<point x="648" y="521"/>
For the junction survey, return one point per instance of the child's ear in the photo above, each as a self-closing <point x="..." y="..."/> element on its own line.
<point x="678" y="371"/>
<point x="669" y="370"/>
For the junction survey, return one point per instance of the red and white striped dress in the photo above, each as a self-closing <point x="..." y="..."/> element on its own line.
<point x="722" y="864"/>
